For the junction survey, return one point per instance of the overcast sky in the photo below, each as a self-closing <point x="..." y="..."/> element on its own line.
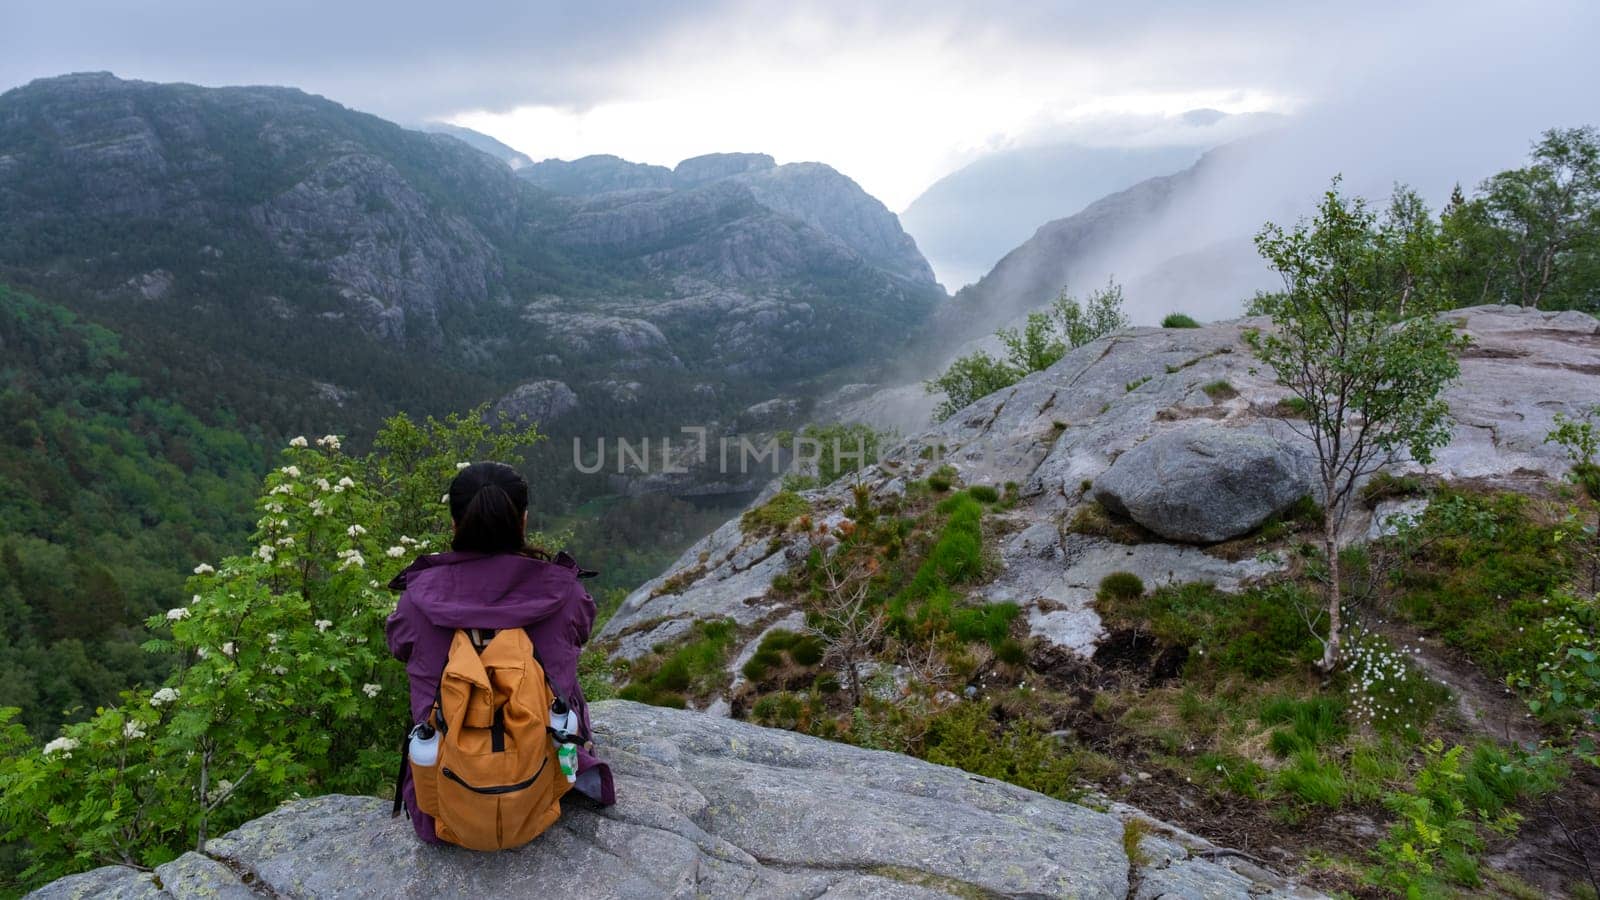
<point x="894" y="94"/>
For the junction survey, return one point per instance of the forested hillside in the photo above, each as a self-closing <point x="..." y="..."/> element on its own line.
<point x="110" y="492"/>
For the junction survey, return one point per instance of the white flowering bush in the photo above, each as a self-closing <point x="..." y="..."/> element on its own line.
<point x="1564" y="686"/>
<point x="285" y="685"/>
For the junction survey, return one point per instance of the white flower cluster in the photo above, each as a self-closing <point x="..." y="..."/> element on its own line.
<point x="317" y="509"/>
<point x="323" y="485"/>
<point x="205" y="569"/>
<point x="323" y="624"/>
<point x="229" y="650"/>
<point x="371" y="690"/>
<point x="176" y="613"/>
<point x="280" y="489"/>
<point x="344" y="483"/>
<point x="351" y="559"/>
<point x="330" y="441"/>
<point x="132" y="730"/>
<point x="265" y="551"/>
<point x="462" y="465"/>
<point x="355" y="531"/>
<point x="291" y="471"/>
<point x="61" y="745"/>
<point x="298" y="442"/>
<point x="396" y="552"/>
<point x="164" y="696"/>
<point x="1378" y="681"/>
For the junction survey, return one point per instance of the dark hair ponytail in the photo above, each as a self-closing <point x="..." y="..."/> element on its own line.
<point x="487" y="502"/>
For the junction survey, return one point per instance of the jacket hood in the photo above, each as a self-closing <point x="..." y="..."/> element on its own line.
<point x="477" y="590"/>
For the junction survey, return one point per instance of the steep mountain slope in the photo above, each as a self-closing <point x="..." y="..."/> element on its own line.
<point x="315" y="241"/>
<point x="966" y="221"/>
<point x="481" y="142"/>
<point x="1169" y="226"/>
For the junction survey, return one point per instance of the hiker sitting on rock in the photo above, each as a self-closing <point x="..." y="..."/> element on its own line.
<point x="474" y="627"/>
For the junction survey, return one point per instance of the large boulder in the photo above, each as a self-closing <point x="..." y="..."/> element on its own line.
<point x="537" y="401"/>
<point x="706" y="807"/>
<point x="1205" y="483"/>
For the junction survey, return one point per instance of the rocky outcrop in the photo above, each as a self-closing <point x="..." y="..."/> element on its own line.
<point x="540" y="401"/>
<point x="597" y="174"/>
<point x="1204" y="484"/>
<point x="699" y="170"/>
<point x="1084" y="425"/>
<point x="714" y="808"/>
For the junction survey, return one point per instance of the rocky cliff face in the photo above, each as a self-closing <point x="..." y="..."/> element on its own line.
<point x="711" y="807"/>
<point x="812" y="194"/>
<point x="1130" y="418"/>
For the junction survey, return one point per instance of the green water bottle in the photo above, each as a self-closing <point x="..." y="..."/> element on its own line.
<point x="564" y="722"/>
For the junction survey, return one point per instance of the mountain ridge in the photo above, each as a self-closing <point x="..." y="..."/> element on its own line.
<point x="269" y="211"/>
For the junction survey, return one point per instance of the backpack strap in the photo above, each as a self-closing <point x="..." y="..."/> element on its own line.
<point x="400" y="778"/>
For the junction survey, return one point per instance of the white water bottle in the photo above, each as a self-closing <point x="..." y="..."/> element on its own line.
<point x="564" y="721"/>
<point x="424" y="747"/>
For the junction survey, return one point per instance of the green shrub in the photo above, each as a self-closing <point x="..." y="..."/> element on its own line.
<point x="942" y="479"/>
<point x="780" y="710"/>
<point x="775" y="515"/>
<point x="1219" y="390"/>
<point x="1179" y="320"/>
<point x="1121" y="586"/>
<point x="1135" y="384"/>
<point x="984" y="493"/>
<point x="692" y="667"/>
<point x="596" y="676"/>
<point x="967" y="737"/>
<point x="1011" y="652"/>
<point x="779" y="639"/>
<point x="807" y="651"/>
<point x="761" y="663"/>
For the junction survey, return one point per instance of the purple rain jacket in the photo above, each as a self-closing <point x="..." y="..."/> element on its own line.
<point x="448" y="591"/>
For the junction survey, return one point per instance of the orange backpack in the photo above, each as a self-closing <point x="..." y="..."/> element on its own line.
<point x="497" y="781"/>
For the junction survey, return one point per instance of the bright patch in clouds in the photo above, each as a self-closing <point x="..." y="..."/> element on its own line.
<point x="895" y="114"/>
